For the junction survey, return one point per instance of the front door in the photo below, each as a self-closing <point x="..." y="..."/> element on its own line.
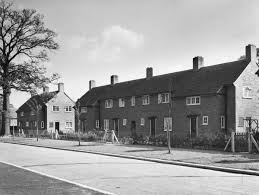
<point x="193" y="126"/>
<point x="57" y="126"/>
<point x="116" y="126"/>
<point x="133" y="128"/>
<point x="152" y="126"/>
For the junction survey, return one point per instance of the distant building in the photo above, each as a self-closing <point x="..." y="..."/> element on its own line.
<point x="56" y="112"/>
<point x="205" y="100"/>
<point x="12" y="116"/>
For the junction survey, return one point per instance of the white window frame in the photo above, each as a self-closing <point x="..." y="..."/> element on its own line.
<point x="192" y="100"/>
<point x="106" y="124"/>
<point x="42" y="124"/>
<point x="163" y="98"/>
<point x="168" y="123"/>
<point x="54" y="110"/>
<point x="97" y="124"/>
<point x="109" y="103"/>
<point x="27" y="124"/>
<point x="133" y="101"/>
<point x="70" y="125"/>
<point x="51" y="122"/>
<point x="145" y="100"/>
<point x="142" y="121"/>
<point x="205" y="120"/>
<point x="68" y="108"/>
<point x="247" y="92"/>
<point x="121" y="102"/>
<point x="83" y="109"/>
<point x="222" y="122"/>
<point x="124" y="122"/>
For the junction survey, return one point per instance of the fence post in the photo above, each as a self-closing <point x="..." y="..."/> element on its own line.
<point x="249" y="137"/>
<point x="233" y="141"/>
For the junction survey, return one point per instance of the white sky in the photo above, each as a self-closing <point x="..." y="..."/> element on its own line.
<point x="99" y="38"/>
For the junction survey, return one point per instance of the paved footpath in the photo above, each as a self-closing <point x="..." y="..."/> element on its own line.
<point x="19" y="181"/>
<point x="127" y="176"/>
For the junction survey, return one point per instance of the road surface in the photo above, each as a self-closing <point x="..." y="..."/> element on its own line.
<point x="127" y="176"/>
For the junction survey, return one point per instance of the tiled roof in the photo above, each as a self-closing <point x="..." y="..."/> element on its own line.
<point x="206" y="80"/>
<point x="36" y="99"/>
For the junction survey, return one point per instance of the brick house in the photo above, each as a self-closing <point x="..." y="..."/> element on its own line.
<point x="55" y="112"/>
<point x="204" y="100"/>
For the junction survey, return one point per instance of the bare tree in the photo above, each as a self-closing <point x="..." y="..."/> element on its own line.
<point x="24" y="45"/>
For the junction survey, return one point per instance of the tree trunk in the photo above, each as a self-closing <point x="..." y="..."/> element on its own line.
<point x="5" y="116"/>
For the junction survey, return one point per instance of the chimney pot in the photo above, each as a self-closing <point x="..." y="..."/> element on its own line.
<point x="61" y="87"/>
<point x="149" y="72"/>
<point x="198" y="62"/>
<point x="251" y="53"/>
<point x="45" y="89"/>
<point x="91" y="84"/>
<point x="114" y="79"/>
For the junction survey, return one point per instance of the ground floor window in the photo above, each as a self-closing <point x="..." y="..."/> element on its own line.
<point x="222" y="122"/>
<point x="42" y="124"/>
<point x="69" y="124"/>
<point x="142" y="121"/>
<point x="97" y="124"/>
<point x="241" y="121"/>
<point x="51" y="125"/>
<point x="106" y="124"/>
<point x="27" y="124"/>
<point x="124" y="122"/>
<point x="205" y="120"/>
<point x="168" y="123"/>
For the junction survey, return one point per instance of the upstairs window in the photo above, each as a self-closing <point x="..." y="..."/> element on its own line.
<point x="27" y="124"/>
<point x="108" y="103"/>
<point x="132" y="101"/>
<point x="121" y="102"/>
<point x="68" y="108"/>
<point x="247" y="92"/>
<point x="163" y="98"/>
<point x="32" y="113"/>
<point x="55" y="108"/>
<point x="22" y="113"/>
<point x="194" y="100"/>
<point x="145" y="100"/>
<point x="83" y="109"/>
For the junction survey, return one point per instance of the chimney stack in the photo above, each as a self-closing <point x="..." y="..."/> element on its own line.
<point x="45" y="89"/>
<point x="61" y="87"/>
<point x="251" y="53"/>
<point x="149" y="72"/>
<point x="114" y="79"/>
<point x="91" y="84"/>
<point x="197" y="62"/>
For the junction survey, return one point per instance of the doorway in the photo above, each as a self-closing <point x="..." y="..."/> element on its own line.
<point x="116" y="126"/>
<point x="193" y="126"/>
<point x="152" y="126"/>
<point x="57" y="126"/>
<point x="133" y="128"/>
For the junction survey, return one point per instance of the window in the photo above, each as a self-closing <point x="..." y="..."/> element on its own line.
<point x="168" y="123"/>
<point x="35" y="123"/>
<point x="51" y="124"/>
<point x="194" y="100"/>
<point x="205" y="120"/>
<point x="83" y="109"/>
<point x="106" y="124"/>
<point x="68" y="108"/>
<point x="163" y="98"/>
<point x="145" y="100"/>
<point x="241" y="121"/>
<point x="32" y="112"/>
<point x="69" y="124"/>
<point x="42" y="124"/>
<point x="22" y="113"/>
<point x="55" y="108"/>
<point x="27" y="124"/>
<point x="121" y="102"/>
<point x="108" y="103"/>
<point x="142" y="121"/>
<point x="247" y="92"/>
<point x="133" y="101"/>
<point x="124" y="122"/>
<point x="222" y="122"/>
<point x="97" y="124"/>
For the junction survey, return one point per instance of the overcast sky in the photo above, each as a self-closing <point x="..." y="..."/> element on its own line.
<point x="99" y="38"/>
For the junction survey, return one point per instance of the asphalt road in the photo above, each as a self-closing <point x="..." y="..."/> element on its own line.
<point x="127" y="176"/>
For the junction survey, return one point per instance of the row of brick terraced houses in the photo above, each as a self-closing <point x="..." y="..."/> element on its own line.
<point x="201" y="100"/>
